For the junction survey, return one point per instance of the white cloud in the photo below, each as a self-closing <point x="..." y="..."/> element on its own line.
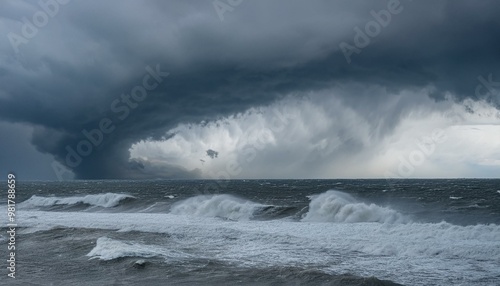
<point x="322" y="136"/>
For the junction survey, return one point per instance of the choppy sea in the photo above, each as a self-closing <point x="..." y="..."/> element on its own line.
<point x="255" y="232"/>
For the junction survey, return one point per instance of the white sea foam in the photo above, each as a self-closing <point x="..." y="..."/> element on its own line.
<point x="224" y="206"/>
<point x="107" y="200"/>
<point x="109" y="249"/>
<point x="464" y="253"/>
<point x="335" y="206"/>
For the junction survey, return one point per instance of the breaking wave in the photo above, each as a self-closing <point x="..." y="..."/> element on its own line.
<point x="109" y="249"/>
<point x="335" y="206"/>
<point x="107" y="200"/>
<point x="223" y="206"/>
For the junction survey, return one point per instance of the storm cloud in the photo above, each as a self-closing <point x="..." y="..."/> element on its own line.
<point x="69" y="75"/>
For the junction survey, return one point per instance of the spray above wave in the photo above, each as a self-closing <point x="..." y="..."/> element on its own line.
<point x="335" y="206"/>
<point x="107" y="200"/>
<point x="223" y="206"/>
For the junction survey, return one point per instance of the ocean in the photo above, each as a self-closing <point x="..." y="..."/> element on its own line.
<point x="255" y="232"/>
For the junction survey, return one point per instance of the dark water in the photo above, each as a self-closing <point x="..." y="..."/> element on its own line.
<point x="257" y="232"/>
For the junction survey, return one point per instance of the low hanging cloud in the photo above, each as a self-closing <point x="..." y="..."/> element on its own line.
<point x="65" y="77"/>
<point x="321" y="137"/>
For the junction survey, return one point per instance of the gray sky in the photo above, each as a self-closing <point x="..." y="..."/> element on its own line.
<point x="280" y="89"/>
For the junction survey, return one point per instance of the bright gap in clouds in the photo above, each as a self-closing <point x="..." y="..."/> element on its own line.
<point x="324" y="136"/>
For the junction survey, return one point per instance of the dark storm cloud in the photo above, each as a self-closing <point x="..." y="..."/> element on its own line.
<point x="65" y="78"/>
<point x="17" y="155"/>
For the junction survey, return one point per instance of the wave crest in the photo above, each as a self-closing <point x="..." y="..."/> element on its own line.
<point x="224" y="206"/>
<point x="109" y="249"/>
<point x="107" y="200"/>
<point x="335" y="206"/>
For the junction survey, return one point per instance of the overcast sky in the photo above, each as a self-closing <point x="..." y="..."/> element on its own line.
<point x="249" y="89"/>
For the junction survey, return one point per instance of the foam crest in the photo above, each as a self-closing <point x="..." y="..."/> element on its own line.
<point x="335" y="206"/>
<point x="224" y="206"/>
<point x="107" y="200"/>
<point x="109" y="249"/>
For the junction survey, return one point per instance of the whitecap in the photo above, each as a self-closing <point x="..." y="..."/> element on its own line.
<point x="107" y="200"/>
<point x="335" y="206"/>
<point x="224" y="206"/>
<point x="109" y="249"/>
